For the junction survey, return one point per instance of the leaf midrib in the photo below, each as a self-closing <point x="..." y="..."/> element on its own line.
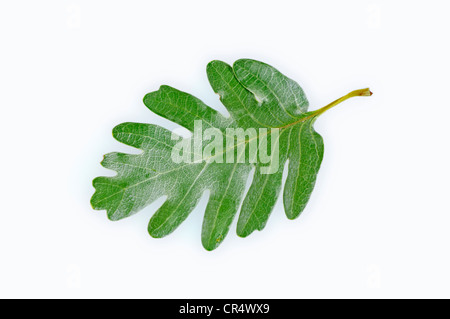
<point x="197" y="162"/>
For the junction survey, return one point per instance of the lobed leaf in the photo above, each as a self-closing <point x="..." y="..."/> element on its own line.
<point x="256" y="96"/>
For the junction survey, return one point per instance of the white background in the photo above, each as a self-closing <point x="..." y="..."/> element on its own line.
<point x="377" y="224"/>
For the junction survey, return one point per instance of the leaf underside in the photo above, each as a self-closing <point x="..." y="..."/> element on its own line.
<point x="256" y="96"/>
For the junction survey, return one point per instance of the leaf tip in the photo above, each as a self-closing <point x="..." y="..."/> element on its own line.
<point x="243" y="233"/>
<point x="153" y="96"/>
<point x="214" y="63"/>
<point x="212" y="243"/>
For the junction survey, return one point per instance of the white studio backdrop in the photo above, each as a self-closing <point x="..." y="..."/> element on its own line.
<point x="377" y="224"/>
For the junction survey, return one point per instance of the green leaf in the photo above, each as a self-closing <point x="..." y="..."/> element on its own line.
<point x="258" y="97"/>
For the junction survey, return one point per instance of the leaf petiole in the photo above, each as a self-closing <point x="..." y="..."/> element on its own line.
<point x="360" y="92"/>
<point x="316" y="113"/>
